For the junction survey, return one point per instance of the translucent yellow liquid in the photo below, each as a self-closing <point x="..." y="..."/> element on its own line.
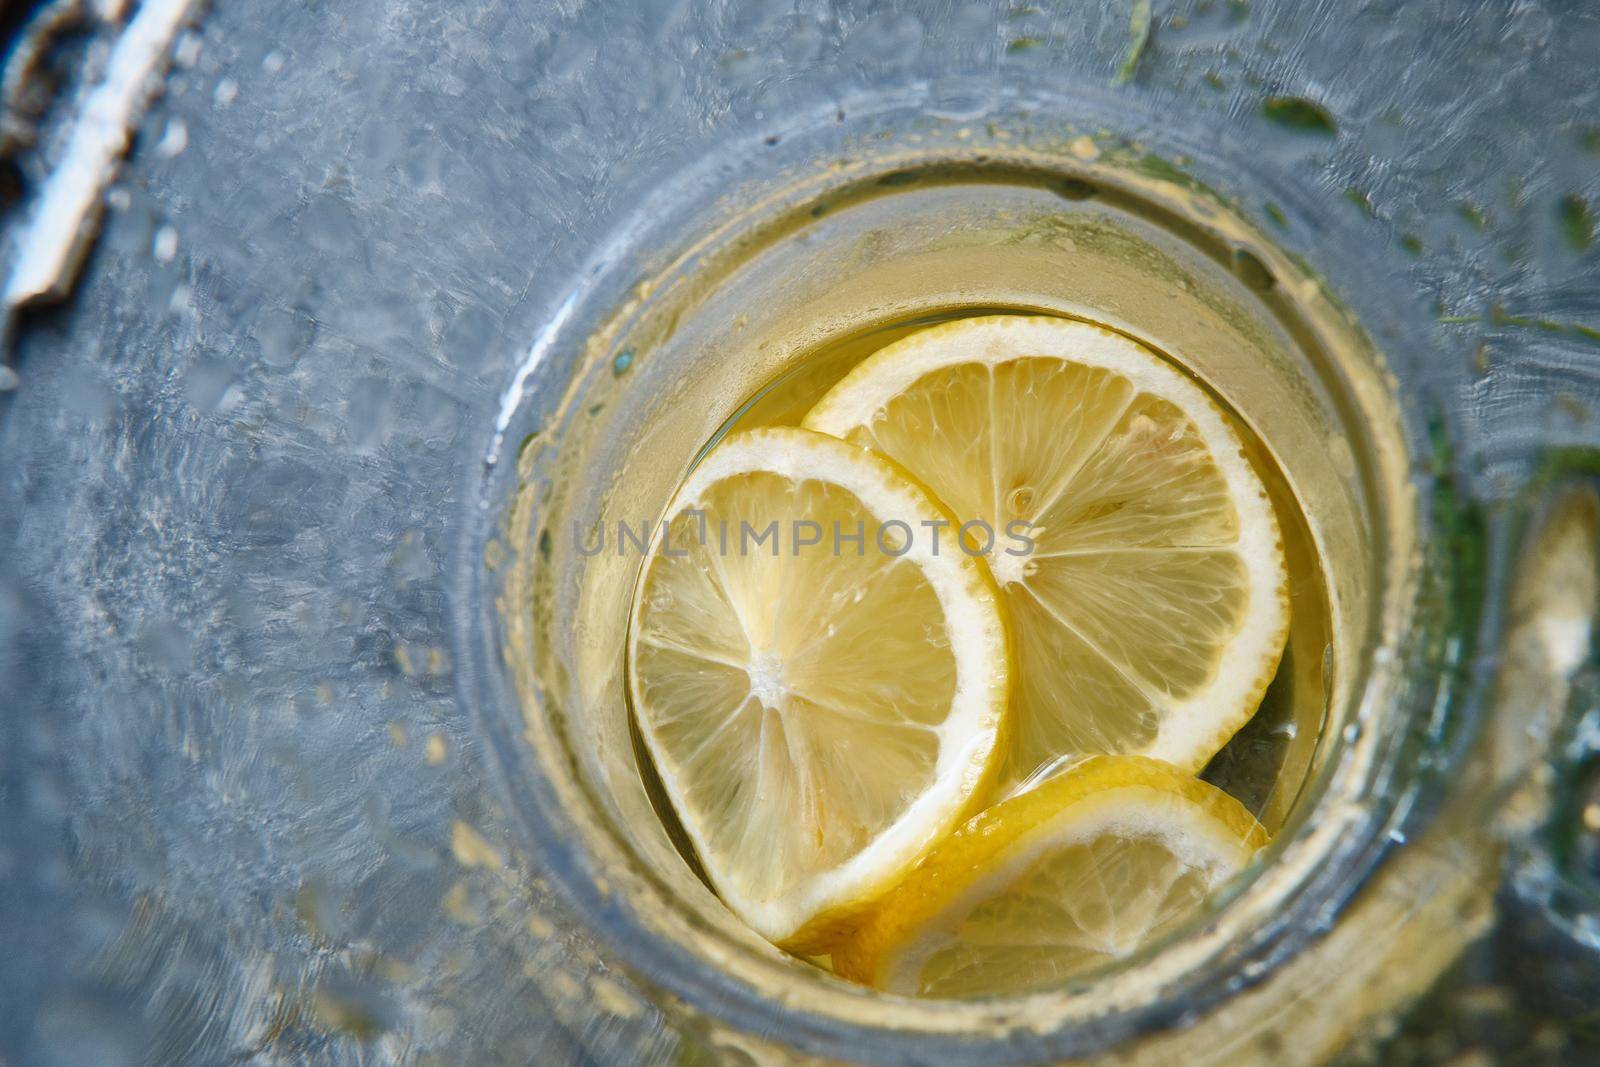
<point x="764" y="323"/>
<point x="1267" y="762"/>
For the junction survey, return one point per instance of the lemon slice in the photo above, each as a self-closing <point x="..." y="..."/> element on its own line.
<point x="1094" y="863"/>
<point x="820" y="714"/>
<point x="1136" y="550"/>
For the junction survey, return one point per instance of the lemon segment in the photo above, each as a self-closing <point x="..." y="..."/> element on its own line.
<point x="820" y="714"/>
<point x="1149" y="605"/>
<point x="1094" y="863"/>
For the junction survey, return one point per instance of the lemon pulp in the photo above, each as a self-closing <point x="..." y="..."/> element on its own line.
<point x="1152" y="609"/>
<point x="1093" y="864"/>
<point x="819" y="719"/>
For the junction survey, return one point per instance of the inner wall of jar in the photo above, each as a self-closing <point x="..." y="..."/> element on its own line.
<point x="706" y="339"/>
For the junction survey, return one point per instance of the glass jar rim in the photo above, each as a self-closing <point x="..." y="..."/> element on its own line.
<point x="590" y="860"/>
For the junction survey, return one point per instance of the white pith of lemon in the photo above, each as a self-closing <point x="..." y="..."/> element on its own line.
<point x="1081" y="871"/>
<point x="1152" y="611"/>
<point x="819" y="718"/>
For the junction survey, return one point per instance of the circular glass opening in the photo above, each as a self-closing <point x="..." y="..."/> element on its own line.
<point x="740" y="310"/>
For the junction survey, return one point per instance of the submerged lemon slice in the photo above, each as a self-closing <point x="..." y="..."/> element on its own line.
<point x="820" y="713"/>
<point x="1151" y="611"/>
<point x="1084" y="869"/>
